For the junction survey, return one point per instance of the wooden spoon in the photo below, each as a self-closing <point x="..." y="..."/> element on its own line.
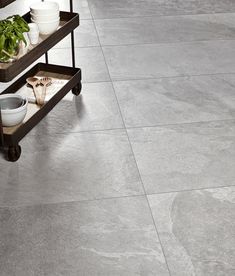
<point x="34" y="82"/>
<point x="46" y="81"/>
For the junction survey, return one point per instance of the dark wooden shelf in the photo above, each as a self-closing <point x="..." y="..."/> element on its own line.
<point x="10" y="136"/>
<point x="68" y="22"/>
<point x="4" y="3"/>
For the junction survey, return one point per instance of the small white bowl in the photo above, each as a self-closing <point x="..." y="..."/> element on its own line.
<point x="45" y="17"/>
<point x="47" y="27"/>
<point x="12" y="117"/>
<point x="44" y="8"/>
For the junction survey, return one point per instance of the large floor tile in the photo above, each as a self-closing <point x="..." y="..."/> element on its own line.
<point x="110" y="237"/>
<point x="176" y="100"/>
<point x="90" y="60"/>
<point x="165" y="29"/>
<point x="197" y="231"/>
<point x="182" y="157"/>
<point x="84" y="36"/>
<point x="95" y="109"/>
<point x="70" y="167"/>
<point x="166" y="60"/>
<point x="131" y="8"/>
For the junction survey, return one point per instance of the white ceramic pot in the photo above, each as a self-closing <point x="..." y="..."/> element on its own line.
<point x="45" y="17"/>
<point x="43" y="8"/>
<point x="47" y="27"/>
<point x="12" y="117"/>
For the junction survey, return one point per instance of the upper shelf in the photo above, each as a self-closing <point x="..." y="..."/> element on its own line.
<point x="4" y="3"/>
<point x="68" y="22"/>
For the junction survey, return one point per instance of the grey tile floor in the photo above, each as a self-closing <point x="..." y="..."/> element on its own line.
<point x="136" y="175"/>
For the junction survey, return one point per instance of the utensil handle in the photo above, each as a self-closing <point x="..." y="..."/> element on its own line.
<point x="44" y="91"/>
<point x="37" y="96"/>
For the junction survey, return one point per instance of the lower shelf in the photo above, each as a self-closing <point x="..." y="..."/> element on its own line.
<point x="70" y="79"/>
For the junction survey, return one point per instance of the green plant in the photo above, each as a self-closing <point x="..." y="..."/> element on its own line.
<point x="11" y="33"/>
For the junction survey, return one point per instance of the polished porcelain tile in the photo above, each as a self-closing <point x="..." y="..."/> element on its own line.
<point x="183" y="157"/>
<point x="197" y="231"/>
<point x="95" y="108"/>
<point x="176" y="100"/>
<point x="109" y="237"/>
<point x="167" y="60"/>
<point x="166" y="29"/>
<point x="91" y="60"/>
<point x="84" y="36"/>
<point x="70" y="167"/>
<point x="131" y="8"/>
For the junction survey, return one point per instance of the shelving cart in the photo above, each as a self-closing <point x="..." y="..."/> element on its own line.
<point x="10" y="136"/>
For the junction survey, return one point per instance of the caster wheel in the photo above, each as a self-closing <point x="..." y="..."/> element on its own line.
<point x="77" y="89"/>
<point x="13" y="153"/>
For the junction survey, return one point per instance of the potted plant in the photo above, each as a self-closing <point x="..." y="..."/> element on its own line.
<point x="12" y="37"/>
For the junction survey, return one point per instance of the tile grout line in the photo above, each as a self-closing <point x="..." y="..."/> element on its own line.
<point x="163" y="77"/>
<point x="147" y="78"/>
<point x="146" y="197"/>
<point x="70" y="201"/>
<point x="142" y="127"/>
<point x="117" y="197"/>
<point x="156" y="230"/>
<point x="4" y="86"/>
<point x="158" y="235"/>
<point x="149" y="43"/>
<point x="158" y="15"/>
<point x="192" y="190"/>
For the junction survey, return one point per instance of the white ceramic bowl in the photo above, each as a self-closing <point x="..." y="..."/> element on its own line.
<point x="45" y="17"/>
<point x="12" y="117"/>
<point x="44" y="8"/>
<point x="47" y="27"/>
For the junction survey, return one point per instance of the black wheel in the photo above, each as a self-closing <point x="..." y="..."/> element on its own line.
<point x="13" y="153"/>
<point x="77" y="89"/>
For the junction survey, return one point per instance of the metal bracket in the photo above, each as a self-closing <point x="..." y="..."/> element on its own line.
<point x="72" y="40"/>
<point x="1" y="131"/>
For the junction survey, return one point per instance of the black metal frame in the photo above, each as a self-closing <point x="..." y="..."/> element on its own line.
<point x="72" y="40"/>
<point x="11" y="141"/>
<point x="70" y="22"/>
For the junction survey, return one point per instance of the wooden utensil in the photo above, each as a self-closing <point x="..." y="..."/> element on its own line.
<point x="34" y="82"/>
<point x="46" y="81"/>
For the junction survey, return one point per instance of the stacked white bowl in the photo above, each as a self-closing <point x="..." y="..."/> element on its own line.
<point x="46" y="15"/>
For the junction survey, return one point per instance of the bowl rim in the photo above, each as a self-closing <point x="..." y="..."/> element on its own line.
<point x="15" y="110"/>
<point x="45" y="22"/>
<point x="45" y="15"/>
<point x="42" y="6"/>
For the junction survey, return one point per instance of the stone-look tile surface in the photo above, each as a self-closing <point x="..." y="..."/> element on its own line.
<point x="95" y="109"/>
<point x="69" y="167"/>
<point x="197" y="231"/>
<point x="110" y="237"/>
<point x="131" y="8"/>
<point x="168" y="60"/>
<point x="91" y="60"/>
<point x="182" y="157"/>
<point x="176" y="100"/>
<point x="78" y="6"/>
<point x="84" y="36"/>
<point x="165" y="29"/>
